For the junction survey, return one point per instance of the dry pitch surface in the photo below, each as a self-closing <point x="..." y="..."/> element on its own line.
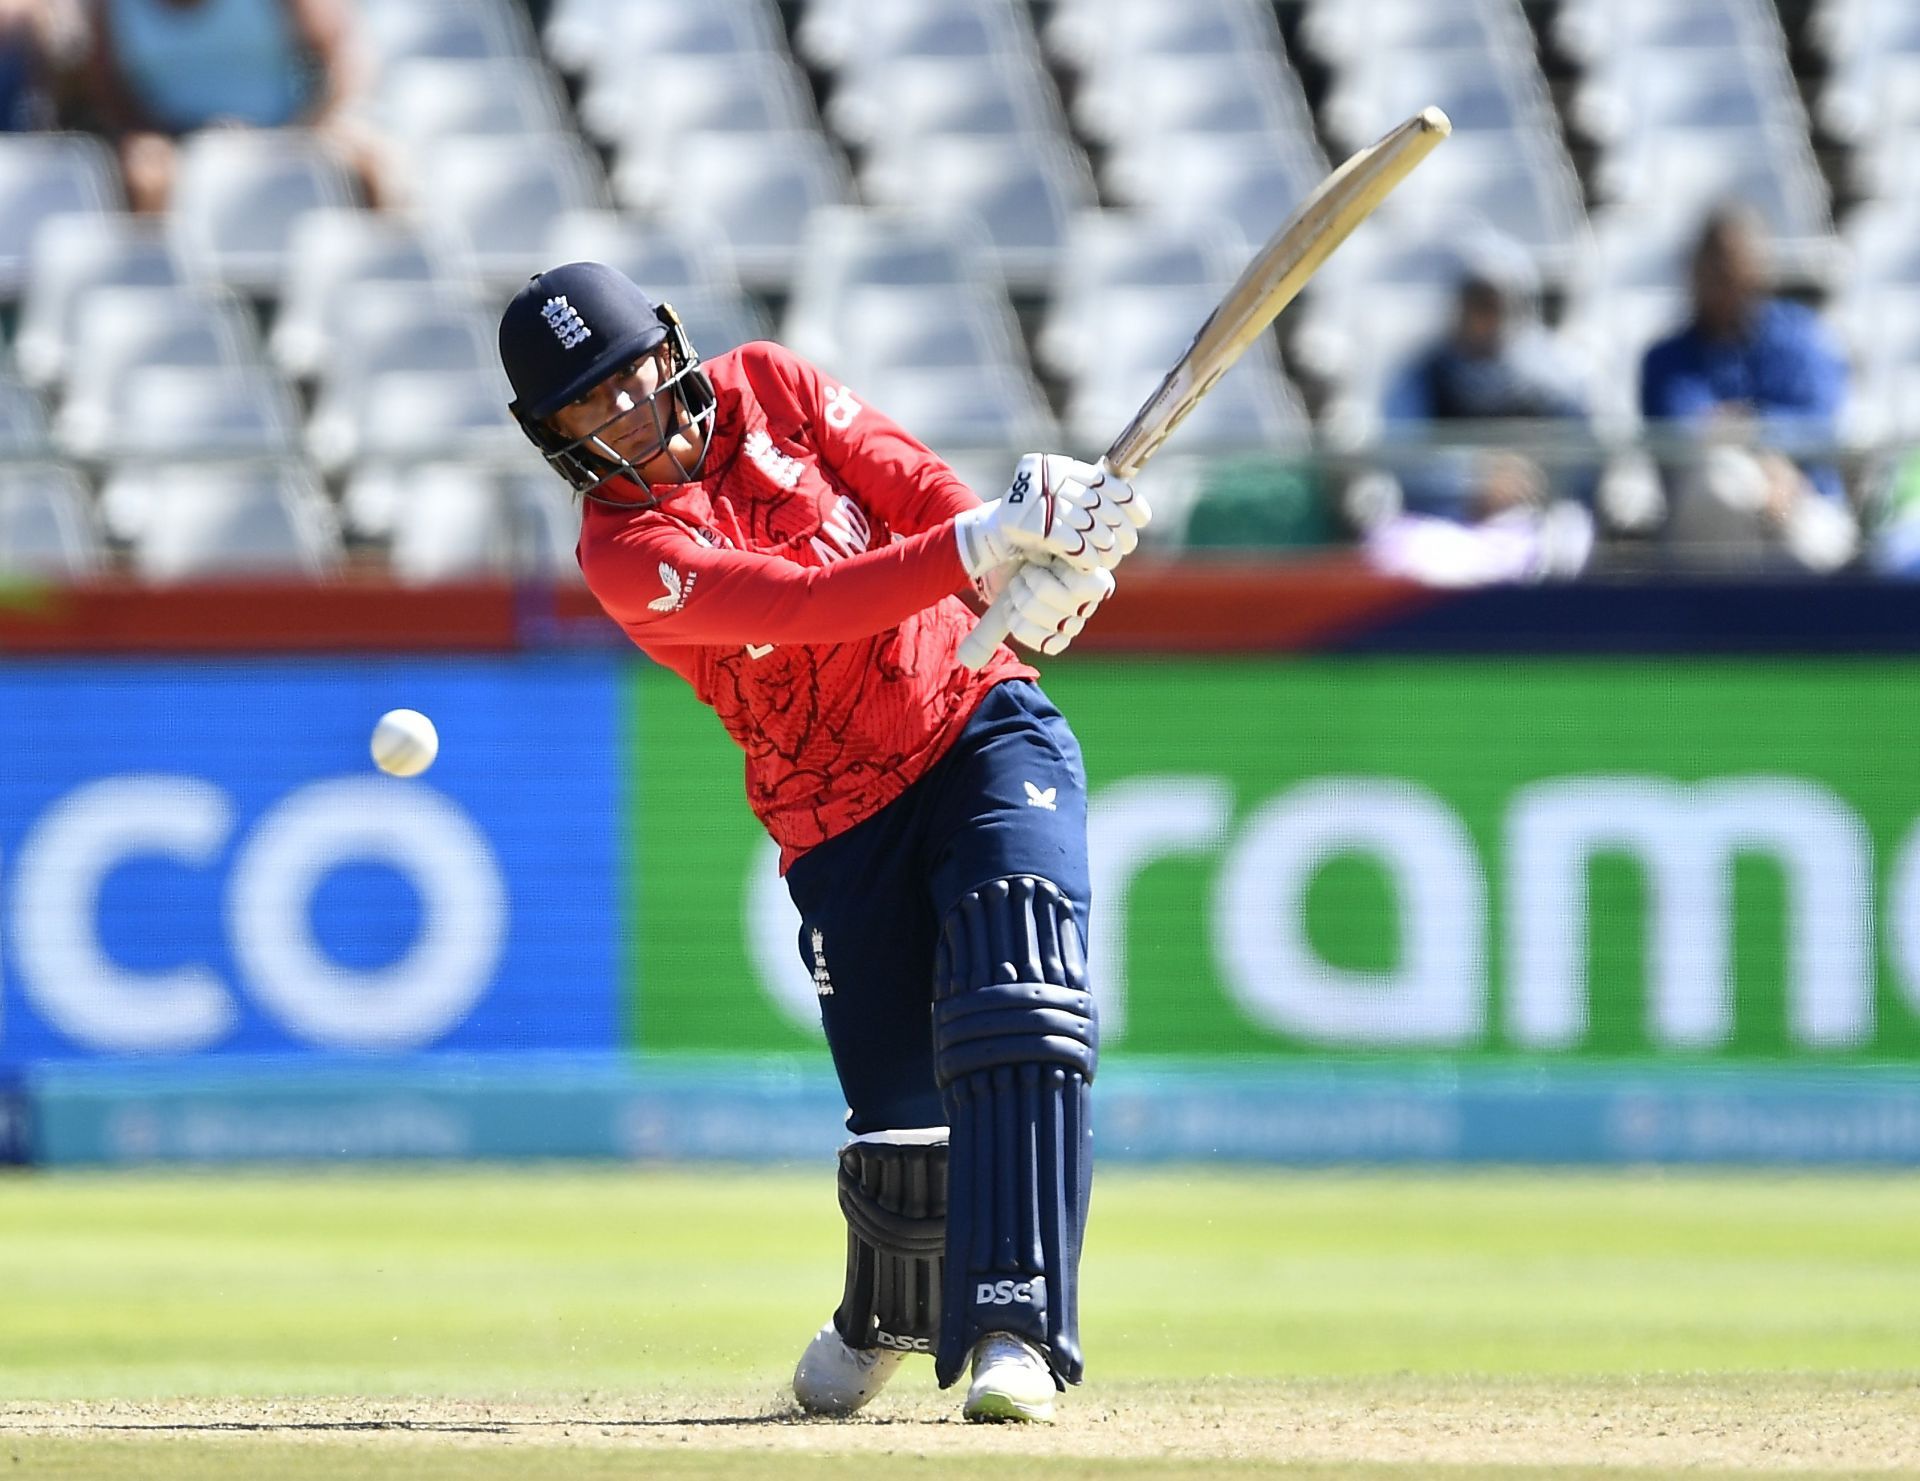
<point x="1779" y="1425"/>
<point x="569" y="1325"/>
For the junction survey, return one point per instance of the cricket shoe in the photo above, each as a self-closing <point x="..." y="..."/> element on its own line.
<point x="833" y="1378"/>
<point x="1011" y="1381"/>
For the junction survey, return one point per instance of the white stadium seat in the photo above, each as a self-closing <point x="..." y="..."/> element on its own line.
<point x="46" y="526"/>
<point x="500" y="195"/>
<point x="43" y="175"/>
<point x="197" y="521"/>
<point x="666" y="255"/>
<point x="179" y="411"/>
<point x="332" y="255"/>
<point x="72" y="255"/>
<point x="23" y="422"/>
<point x="239" y="194"/>
<point x="760" y="189"/>
<point x="122" y="329"/>
<point x="1022" y="190"/>
<point x="1120" y="249"/>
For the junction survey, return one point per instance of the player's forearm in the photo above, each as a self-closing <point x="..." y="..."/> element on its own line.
<point x="772" y="601"/>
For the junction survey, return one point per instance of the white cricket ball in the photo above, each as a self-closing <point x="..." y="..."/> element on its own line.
<point x="404" y="743"/>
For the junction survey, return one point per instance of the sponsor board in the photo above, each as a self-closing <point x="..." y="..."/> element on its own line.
<point x="199" y="861"/>
<point x="1538" y="860"/>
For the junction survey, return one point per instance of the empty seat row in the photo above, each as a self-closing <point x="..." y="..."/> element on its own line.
<point x="196" y="520"/>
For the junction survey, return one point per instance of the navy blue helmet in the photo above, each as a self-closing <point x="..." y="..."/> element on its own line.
<point x="569" y="329"/>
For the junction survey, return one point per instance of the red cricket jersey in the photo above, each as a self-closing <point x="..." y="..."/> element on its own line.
<point x="806" y="588"/>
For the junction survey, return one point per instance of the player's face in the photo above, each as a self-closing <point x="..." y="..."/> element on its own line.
<point x="624" y="414"/>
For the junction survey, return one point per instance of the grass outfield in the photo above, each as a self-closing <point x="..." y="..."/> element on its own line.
<point x="571" y="1323"/>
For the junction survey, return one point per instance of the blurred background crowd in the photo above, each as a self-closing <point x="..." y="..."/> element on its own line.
<point x="1654" y="308"/>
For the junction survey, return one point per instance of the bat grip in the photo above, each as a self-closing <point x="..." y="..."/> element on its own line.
<point x="989" y="632"/>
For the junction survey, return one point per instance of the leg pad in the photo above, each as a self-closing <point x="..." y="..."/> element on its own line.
<point x="893" y="1191"/>
<point x="1015" y="1047"/>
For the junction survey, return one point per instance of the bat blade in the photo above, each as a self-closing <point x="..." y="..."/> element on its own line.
<point x="1271" y="281"/>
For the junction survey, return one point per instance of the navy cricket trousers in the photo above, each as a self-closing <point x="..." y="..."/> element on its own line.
<point x="1009" y="797"/>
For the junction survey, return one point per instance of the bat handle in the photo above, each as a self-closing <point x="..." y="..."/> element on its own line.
<point x="989" y="632"/>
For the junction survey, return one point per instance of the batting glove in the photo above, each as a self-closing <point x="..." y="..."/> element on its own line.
<point x="1052" y="602"/>
<point x="1056" y="507"/>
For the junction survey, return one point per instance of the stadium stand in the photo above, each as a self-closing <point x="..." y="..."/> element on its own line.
<point x="999" y="219"/>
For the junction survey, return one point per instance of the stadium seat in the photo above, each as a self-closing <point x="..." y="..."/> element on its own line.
<point x="43" y="175"/>
<point x="849" y="248"/>
<point x="238" y="196"/>
<point x="1119" y="249"/>
<point x="332" y="255"/>
<point x="1520" y="186"/>
<point x="582" y="35"/>
<point x="917" y="96"/>
<point x="1244" y="181"/>
<point x="1143" y="98"/>
<point x="928" y="328"/>
<point x="454" y="522"/>
<point x="1592" y="31"/>
<point x="177" y="411"/>
<point x="1365" y="339"/>
<point x="666" y="255"/>
<point x="121" y="329"/>
<point x="501" y="194"/>
<point x="959" y="410"/>
<point x="838" y="35"/>
<point x="1670" y="181"/>
<point x="1021" y="190"/>
<point x="759" y="189"/>
<point x="46" y="525"/>
<point x="453" y="30"/>
<point x="748" y="96"/>
<point x="720" y="322"/>
<point x="1091" y="35"/>
<point x="449" y="524"/>
<point x="71" y="256"/>
<point x="1146" y="330"/>
<point x="191" y="521"/>
<point x="431" y="97"/>
<point x="399" y="414"/>
<point x="760" y="92"/>
<point x="1747" y="89"/>
<point x="394" y="327"/>
<point x="1372" y="97"/>
<point x="1883" y="249"/>
<point x="1340" y="33"/>
<point x="23" y="422"/>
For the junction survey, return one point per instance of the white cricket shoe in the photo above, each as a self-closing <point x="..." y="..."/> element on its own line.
<point x="1011" y="1380"/>
<point x="833" y="1378"/>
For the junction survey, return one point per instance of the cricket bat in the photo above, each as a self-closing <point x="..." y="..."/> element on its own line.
<point x="1270" y="282"/>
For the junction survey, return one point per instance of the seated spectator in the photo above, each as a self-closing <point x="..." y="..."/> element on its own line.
<point x="1755" y="379"/>
<point x="1497" y="363"/>
<point x="162" y="69"/>
<point x="38" y="39"/>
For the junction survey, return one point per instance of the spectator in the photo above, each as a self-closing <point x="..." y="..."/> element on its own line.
<point x="1754" y="379"/>
<point x="37" y="41"/>
<point x="1469" y="515"/>
<point x="162" y="69"/>
<point x="1497" y="363"/>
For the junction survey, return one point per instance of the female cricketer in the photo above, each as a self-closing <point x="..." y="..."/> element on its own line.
<point x="798" y="558"/>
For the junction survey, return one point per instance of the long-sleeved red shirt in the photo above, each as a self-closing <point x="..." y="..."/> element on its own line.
<point x="806" y="587"/>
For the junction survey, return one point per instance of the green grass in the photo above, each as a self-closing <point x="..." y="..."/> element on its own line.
<point x="568" y="1286"/>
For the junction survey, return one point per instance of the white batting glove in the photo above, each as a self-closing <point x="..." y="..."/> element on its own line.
<point x="1056" y="507"/>
<point x="1052" y="602"/>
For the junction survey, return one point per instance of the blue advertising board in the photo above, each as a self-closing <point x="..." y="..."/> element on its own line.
<point x="199" y="862"/>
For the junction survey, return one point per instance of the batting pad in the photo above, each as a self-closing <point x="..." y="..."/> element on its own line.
<point x="1015" y="1043"/>
<point x="893" y="1190"/>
